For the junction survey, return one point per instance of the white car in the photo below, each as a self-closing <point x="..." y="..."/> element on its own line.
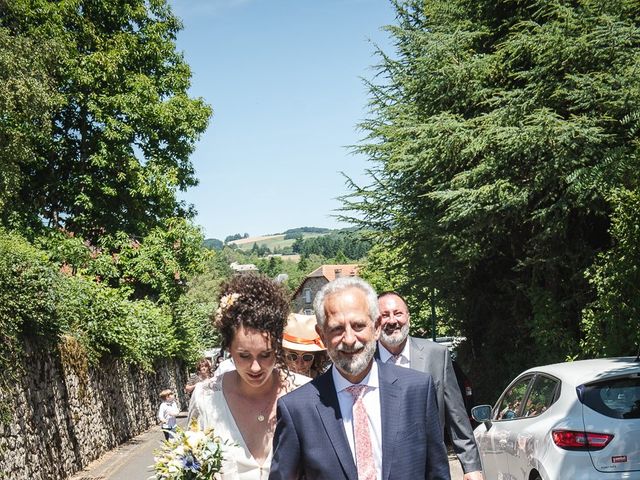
<point x="568" y="421"/>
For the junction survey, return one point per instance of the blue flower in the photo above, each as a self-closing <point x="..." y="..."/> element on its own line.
<point x="190" y="463"/>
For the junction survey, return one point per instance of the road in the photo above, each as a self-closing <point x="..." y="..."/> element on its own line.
<point x="132" y="460"/>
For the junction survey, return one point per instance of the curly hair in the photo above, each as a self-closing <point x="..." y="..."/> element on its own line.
<point x="203" y="362"/>
<point x="253" y="301"/>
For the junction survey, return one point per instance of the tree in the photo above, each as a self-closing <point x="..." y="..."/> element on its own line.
<point x="121" y="137"/>
<point x="27" y="99"/>
<point x="495" y="137"/>
<point x="297" y="244"/>
<point x="213" y="244"/>
<point x="611" y="322"/>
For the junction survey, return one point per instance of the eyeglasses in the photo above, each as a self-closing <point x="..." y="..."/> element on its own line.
<point x="306" y="357"/>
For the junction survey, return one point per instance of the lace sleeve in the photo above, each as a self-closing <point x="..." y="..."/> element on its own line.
<point x="202" y="407"/>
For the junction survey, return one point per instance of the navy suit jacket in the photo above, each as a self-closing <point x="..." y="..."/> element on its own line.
<point x="310" y="441"/>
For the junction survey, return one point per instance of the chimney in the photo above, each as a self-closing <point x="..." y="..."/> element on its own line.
<point x="338" y="272"/>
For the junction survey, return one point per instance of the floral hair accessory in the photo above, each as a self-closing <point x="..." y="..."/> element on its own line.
<point x="226" y="301"/>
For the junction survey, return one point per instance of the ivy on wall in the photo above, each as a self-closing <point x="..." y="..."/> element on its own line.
<point x="80" y="318"/>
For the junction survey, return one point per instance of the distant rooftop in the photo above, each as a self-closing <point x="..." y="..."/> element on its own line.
<point x="331" y="272"/>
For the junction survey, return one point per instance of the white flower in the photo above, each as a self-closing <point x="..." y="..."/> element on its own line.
<point x="179" y="450"/>
<point x="226" y="301"/>
<point x="190" y="451"/>
<point x="194" y="438"/>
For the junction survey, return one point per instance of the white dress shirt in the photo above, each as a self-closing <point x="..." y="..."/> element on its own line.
<point x="371" y="400"/>
<point x="404" y="358"/>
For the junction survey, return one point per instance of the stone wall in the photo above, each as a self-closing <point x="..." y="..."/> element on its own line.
<point x="63" y="421"/>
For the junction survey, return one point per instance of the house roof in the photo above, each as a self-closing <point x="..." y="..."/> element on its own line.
<point x="330" y="272"/>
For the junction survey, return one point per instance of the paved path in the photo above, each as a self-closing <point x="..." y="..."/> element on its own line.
<point x="132" y="460"/>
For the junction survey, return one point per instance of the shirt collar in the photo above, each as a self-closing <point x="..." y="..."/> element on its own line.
<point x="386" y="354"/>
<point x="371" y="380"/>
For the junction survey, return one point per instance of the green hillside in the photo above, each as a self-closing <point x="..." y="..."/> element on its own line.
<point x="273" y="242"/>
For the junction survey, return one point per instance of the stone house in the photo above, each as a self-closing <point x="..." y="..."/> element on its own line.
<point x="302" y="300"/>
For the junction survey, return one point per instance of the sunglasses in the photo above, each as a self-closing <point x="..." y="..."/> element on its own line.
<point x="306" y="357"/>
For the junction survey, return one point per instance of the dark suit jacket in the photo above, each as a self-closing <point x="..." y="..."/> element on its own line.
<point x="310" y="441"/>
<point x="434" y="359"/>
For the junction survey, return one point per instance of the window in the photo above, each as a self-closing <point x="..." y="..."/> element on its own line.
<point x="510" y="406"/>
<point x="615" y="398"/>
<point x="543" y="393"/>
<point x="306" y="293"/>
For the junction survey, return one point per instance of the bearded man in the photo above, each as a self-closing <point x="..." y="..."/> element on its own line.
<point x="362" y="419"/>
<point x="396" y="346"/>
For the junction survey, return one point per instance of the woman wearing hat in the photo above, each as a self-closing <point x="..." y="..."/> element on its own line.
<point x="304" y="351"/>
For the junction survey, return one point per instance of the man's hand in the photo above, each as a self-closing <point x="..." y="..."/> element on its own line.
<point x="477" y="475"/>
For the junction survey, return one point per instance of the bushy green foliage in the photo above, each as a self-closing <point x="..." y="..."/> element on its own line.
<point x="161" y="264"/>
<point x="612" y="322"/>
<point x="38" y="298"/>
<point x="237" y="236"/>
<point x="496" y="135"/>
<point x="202" y="294"/>
<point x="297" y="232"/>
<point x="348" y="245"/>
<point x="158" y="267"/>
<point x="111" y="91"/>
<point x="27" y="98"/>
<point x="213" y="244"/>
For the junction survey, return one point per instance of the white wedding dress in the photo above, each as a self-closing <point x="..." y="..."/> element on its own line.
<point x="209" y="407"/>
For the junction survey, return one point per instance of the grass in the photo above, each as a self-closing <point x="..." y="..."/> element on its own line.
<point x="272" y="242"/>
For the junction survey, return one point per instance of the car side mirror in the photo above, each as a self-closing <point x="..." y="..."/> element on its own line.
<point x="481" y="413"/>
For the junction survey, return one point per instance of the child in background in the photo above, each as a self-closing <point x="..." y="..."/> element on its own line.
<point x="167" y="413"/>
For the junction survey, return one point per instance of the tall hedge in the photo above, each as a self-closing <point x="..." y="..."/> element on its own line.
<point x="80" y="317"/>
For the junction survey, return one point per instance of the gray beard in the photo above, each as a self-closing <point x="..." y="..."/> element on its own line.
<point x="355" y="365"/>
<point x="396" y="338"/>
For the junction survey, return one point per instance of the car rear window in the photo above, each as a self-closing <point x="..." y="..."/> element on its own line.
<point x="615" y="398"/>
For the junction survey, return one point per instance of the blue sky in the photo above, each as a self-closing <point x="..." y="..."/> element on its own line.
<point x="284" y="78"/>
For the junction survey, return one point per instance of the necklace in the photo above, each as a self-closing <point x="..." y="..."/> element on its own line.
<point x="263" y="413"/>
<point x="265" y="409"/>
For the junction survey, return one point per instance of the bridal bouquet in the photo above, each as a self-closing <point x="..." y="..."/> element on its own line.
<point x="190" y="454"/>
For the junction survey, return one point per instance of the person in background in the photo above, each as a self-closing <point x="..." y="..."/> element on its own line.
<point x="362" y="418"/>
<point x="396" y="346"/>
<point x="167" y="413"/>
<point x="203" y="371"/>
<point x="304" y="351"/>
<point x="240" y="405"/>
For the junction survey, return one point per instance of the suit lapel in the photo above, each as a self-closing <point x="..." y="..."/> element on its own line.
<point x="388" y="404"/>
<point x="418" y="358"/>
<point x="331" y="416"/>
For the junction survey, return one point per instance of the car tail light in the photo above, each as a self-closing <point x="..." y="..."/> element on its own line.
<point x="573" y="440"/>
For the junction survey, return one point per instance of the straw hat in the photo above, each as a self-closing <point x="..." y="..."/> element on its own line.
<point x="300" y="334"/>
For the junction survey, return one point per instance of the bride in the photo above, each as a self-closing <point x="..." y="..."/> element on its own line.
<point x="240" y="405"/>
